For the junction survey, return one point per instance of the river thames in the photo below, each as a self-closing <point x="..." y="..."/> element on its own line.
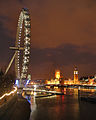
<point x="62" y="107"/>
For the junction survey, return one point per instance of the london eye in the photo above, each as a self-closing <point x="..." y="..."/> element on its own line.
<point x="23" y="36"/>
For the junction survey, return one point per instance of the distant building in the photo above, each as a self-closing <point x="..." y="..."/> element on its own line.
<point x="68" y="82"/>
<point x="95" y="77"/>
<point x="91" y="81"/>
<point x="75" y="75"/>
<point x="58" y="79"/>
<point x="55" y="81"/>
<point x="57" y="74"/>
<point x="52" y="82"/>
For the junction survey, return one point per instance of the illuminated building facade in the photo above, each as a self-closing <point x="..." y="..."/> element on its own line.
<point x="68" y="82"/>
<point x="54" y="82"/>
<point x="91" y="81"/>
<point x="57" y="74"/>
<point x="76" y="76"/>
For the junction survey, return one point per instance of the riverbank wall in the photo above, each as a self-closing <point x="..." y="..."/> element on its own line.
<point x="16" y="108"/>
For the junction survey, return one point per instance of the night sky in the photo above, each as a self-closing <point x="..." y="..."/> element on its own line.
<point x="63" y="35"/>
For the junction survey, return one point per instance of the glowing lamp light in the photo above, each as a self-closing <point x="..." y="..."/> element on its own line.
<point x="17" y="82"/>
<point x="35" y="86"/>
<point x="27" y="82"/>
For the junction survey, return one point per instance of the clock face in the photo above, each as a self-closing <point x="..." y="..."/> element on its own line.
<point x="75" y="72"/>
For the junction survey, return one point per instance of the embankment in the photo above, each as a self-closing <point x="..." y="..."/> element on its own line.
<point x="17" y="108"/>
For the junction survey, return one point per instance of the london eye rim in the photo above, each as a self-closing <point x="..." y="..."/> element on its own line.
<point x="24" y="20"/>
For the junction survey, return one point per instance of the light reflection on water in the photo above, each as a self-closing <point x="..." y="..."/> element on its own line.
<point x="33" y="107"/>
<point x="62" y="107"/>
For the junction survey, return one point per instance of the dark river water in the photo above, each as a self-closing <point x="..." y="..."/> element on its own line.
<point x="62" y="107"/>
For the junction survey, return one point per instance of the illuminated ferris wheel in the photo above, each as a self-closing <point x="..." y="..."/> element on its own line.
<point x="23" y="19"/>
<point x="22" y="44"/>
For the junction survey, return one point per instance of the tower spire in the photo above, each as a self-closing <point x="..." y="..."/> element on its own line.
<point x="75" y="75"/>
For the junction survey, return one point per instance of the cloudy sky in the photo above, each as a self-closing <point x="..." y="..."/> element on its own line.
<point x="63" y="35"/>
